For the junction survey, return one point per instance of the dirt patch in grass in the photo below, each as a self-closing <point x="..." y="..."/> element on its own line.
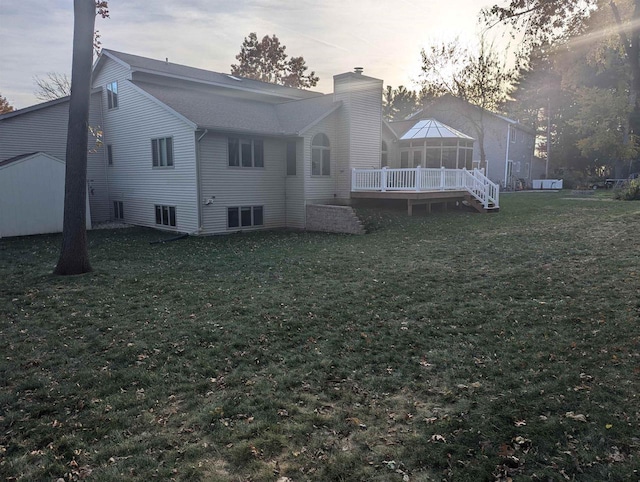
<point x="454" y="346"/>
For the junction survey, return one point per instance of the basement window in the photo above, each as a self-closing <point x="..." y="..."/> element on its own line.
<point x="165" y="215"/>
<point x="118" y="210"/>
<point x="245" y="216"/>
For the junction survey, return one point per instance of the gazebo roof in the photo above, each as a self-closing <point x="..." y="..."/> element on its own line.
<point x="433" y="129"/>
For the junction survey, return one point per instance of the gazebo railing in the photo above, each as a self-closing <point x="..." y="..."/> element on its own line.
<point x="426" y="179"/>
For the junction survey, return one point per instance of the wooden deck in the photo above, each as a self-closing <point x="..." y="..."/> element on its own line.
<point x="413" y="198"/>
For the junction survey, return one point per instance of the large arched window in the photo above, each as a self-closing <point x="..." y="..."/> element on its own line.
<point x="384" y="155"/>
<point x="320" y="155"/>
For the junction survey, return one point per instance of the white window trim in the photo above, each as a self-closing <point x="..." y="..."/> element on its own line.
<point x="118" y="210"/>
<point x="239" y="210"/>
<point x="246" y="140"/>
<point x="322" y="150"/>
<point x="162" y="213"/>
<point x="159" y="152"/>
<point x="112" y="97"/>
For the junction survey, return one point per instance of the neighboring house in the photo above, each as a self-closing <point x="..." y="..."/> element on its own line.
<point x="32" y="195"/>
<point x="509" y="145"/>
<point x="189" y="150"/>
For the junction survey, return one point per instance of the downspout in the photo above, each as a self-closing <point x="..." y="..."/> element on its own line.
<point x="199" y="180"/>
<point x="506" y="160"/>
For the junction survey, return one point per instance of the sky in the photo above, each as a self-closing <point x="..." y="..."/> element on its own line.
<point x="333" y="36"/>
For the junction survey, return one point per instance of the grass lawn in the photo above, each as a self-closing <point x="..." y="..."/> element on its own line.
<point x="454" y="346"/>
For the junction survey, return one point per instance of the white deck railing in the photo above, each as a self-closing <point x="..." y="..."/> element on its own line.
<point x="421" y="179"/>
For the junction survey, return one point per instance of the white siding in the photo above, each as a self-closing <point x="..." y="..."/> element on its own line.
<point x="323" y="189"/>
<point x="362" y="108"/>
<point x="296" y="217"/>
<point x="393" y="152"/>
<point x="133" y="180"/>
<point x="45" y="130"/>
<point x="236" y="186"/>
<point x="32" y="196"/>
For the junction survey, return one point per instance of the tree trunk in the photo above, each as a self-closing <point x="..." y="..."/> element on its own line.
<point x="74" y="256"/>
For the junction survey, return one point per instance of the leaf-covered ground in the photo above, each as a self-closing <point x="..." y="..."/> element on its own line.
<point x="454" y="346"/>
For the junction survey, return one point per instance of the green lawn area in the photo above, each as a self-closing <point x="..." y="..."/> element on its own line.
<point x="453" y="346"/>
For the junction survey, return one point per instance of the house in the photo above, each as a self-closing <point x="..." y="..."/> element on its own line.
<point x="32" y="195"/>
<point x="190" y="150"/>
<point x="509" y="145"/>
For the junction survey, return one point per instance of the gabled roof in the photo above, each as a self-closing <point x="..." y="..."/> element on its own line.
<point x="167" y="69"/>
<point x="42" y="105"/>
<point x="23" y="157"/>
<point x="209" y="109"/>
<point x="433" y="129"/>
<point x="451" y="99"/>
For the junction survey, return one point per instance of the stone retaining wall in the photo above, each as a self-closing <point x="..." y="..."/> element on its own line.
<point x="333" y="219"/>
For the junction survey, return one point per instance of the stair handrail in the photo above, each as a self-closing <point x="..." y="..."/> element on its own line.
<point x="482" y="188"/>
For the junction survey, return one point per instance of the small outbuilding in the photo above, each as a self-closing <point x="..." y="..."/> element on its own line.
<point x="32" y="195"/>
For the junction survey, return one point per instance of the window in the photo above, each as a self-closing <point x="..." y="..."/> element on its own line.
<point x="384" y="155"/>
<point x="320" y="155"/>
<point x="166" y="215"/>
<point x="291" y="158"/>
<point x="112" y="95"/>
<point x="417" y="158"/>
<point x="434" y="156"/>
<point x="162" y="152"/>
<point x="514" y="135"/>
<point x="245" y="216"/>
<point x="246" y="152"/>
<point x="118" y="210"/>
<point x="404" y="159"/>
<point x="449" y="155"/>
<point x="110" y="154"/>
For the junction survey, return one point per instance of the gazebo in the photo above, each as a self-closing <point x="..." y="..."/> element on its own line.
<point x="432" y="144"/>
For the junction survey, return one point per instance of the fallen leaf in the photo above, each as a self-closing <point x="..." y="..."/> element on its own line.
<point x="576" y="416"/>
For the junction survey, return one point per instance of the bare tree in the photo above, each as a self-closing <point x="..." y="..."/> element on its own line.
<point x="479" y="79"/>
<point x="53" y="86"/>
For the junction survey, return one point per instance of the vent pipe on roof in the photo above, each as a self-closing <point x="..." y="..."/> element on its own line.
<point x="358" y="70"/>
<point x="166" y="60"/>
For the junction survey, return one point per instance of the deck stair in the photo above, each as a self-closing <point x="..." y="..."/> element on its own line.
<point x="478" y="206"/>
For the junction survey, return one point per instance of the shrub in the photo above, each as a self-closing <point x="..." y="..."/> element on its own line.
<point x="631" y="192"/>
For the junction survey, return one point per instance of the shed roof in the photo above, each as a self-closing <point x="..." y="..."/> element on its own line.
<point x="28" y="155"/>
<point x="433" y="129"/>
